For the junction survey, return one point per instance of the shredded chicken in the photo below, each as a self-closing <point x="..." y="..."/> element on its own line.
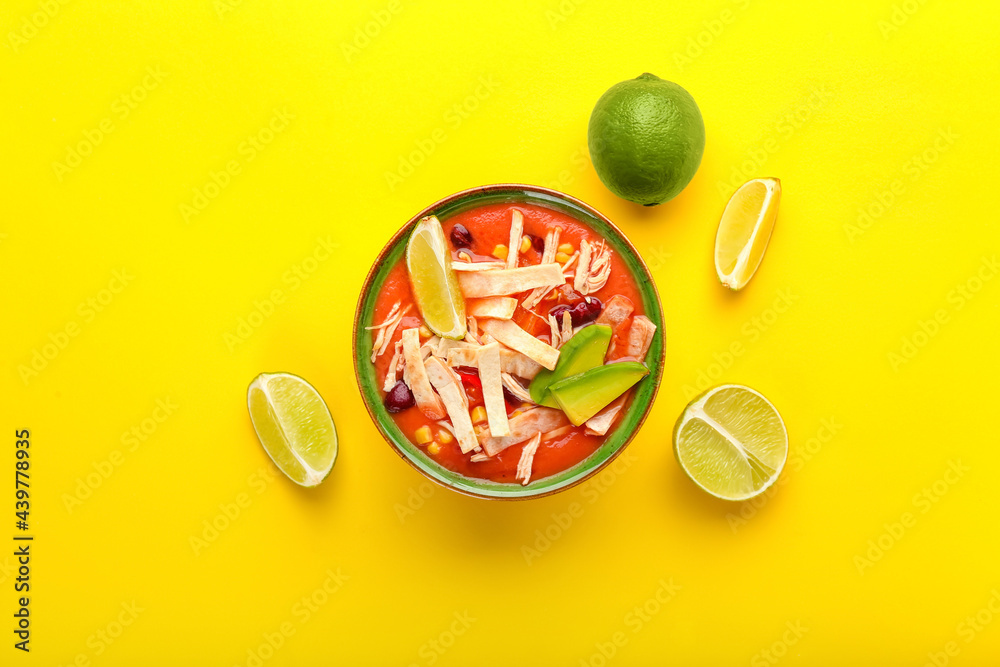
<point x="527" y="458"/>
<point x="479" y="458"/>
<point x="580" y="280"/>
<point x="594" y="269"/>
<point x="515" y="388"/>
<point x="559" y="432"/>
<point x="415" y="377"/>
<point x="387" y="329"/>
<point x="616" y="311"/>
<point x="548" y="256"/>
<point x="567" y="328"/>
<point x="388" y="318"/>
<point x="522" y="427"/>
<point x="569" y="262"/>
<point x="391" y="373"/>
<point x="472" y="331"/>
<point x="555" y="340"/>
<point x="514" y="246"/>
<point x="430" y="347"/>
<point x="640" y="337"/>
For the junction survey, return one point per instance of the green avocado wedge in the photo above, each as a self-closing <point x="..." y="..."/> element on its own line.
<point x="585" y="350"/>
<point x="583" y="396"/>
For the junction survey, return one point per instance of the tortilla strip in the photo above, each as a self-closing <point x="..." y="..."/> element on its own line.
<point x="489" y="376"/>
<point x="602" y="421"/>
<point x="511" y="362"/>
<point x="497" y="307"/>
<point x="514" y="245"/>
<point x="446" y="345"/>
<point x="449" y="386"/>
<point x="476" y="266"/>
<point x="390" y="373"/>
<point x="516" y="388"/>
<point x="504" y="282"/>
<point x="516" y="338"/>
<point x="616" y="311"/>
<point x="522" y="427"/>
<point x="527" y="457"/>
<point x="640" y="337"/>
<point x="415" y="377"/>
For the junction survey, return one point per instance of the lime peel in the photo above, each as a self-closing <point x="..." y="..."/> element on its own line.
<point x="731" y="442"/>
<point x="294" y="426"/>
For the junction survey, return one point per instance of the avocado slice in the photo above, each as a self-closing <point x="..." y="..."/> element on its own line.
<point x="583" y="396"/>
<point x="585" y="350"/>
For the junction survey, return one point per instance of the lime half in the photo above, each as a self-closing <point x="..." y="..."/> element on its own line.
<point x="745" y="229"/>
<point x="731" y="442"/>
<point x="294" y="426"/>
<point x="434" y="283"/>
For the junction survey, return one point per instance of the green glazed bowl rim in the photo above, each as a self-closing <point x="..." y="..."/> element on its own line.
<point x="369" y="385"/>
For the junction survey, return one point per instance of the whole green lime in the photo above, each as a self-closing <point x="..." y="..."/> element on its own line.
<point x="646" y="138"/>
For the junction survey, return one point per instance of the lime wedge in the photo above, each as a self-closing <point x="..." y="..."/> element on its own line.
<point x="744" y="230"/>
<point x="731" y="442"/>
<point x="434" y="283"/>
<point x="294" y="426"/>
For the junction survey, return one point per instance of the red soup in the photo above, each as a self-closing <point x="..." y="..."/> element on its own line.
<point x="429" y="381"/>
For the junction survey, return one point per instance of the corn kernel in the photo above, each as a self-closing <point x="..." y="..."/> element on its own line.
<point x="423" y="435"/>
<point x="478" y="414"/>
<point x="445" y="436"/>
<point x="425" y="332"/>
<point x="552" y="296"/>
<point x="525" y="244"/>
<point x="566" y="248"/>
<point x="433" y="448"/>
<point x="562" y="257"/>
<point x="500" y="252"/>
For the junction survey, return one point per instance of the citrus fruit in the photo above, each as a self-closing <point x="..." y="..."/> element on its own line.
<point x="745" y="229"/>
<point x="294" y="426"/>
<point x="731" y="442"/>
<point x="434" y="283"/>
<point x="646" y="138"/>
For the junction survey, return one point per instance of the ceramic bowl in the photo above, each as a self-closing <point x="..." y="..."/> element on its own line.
<point x="627" y="425"/>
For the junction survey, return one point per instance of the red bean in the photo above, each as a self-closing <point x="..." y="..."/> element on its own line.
<point x="461" y="237"/>
<point x="399" y="398"/>
<point x="581" y="313"/>
<point x="537" y="242"/>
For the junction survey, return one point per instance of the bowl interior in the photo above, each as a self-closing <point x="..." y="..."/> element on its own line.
<point x="369" y="384"/>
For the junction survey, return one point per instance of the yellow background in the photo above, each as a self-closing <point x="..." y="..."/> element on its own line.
<point x="886" y="107"/>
